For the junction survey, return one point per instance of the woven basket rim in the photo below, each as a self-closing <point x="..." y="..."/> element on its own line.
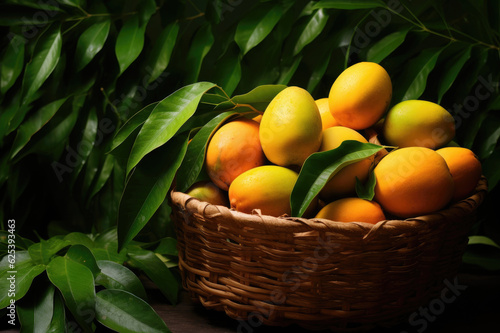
<point x="299" y="224"/>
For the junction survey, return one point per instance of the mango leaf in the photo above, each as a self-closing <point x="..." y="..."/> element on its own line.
<point x="195" y="155"/>
<point x="12" y="63"/>
<point x="482" y="240"/>
<point x="147" y="188"/>
<point x="167" y="246"/>
<point x="58" y="322"/>
<point x="491" y="169"/>
<point x="91" y="42"/>
<point x="36" y="316"/>
<point x="253" y="28"/>
<point x="162" y="50"/>
<point x="21" y="242"/>
<point x="415" y="79"/>
<point x="78" y="238"/>
<point x="24" y="270"/>
<point x="259" y="97"/>
<point x="33" y="124"/>
<point x="200" y="46"/>
<point x="482" y="255"/>
<point x="52" y="138"/>
<point x="313" y="28"/>
<point x="124" y="312"/>
<point x="349" y="4"/>
<point x="42" y="252"/>
<point x="320" y="167"/>
<point x="105" y="172"/>
<point x="319" y="71"/>
<point x="86" y="143"/>
<point x="366" y="191"/>
<point x="381" y="49"/>
<point x="131" y="124"/>
<point x="165" y="119"/>
<point x="73" y="3"/>
<point x="488" y="136"/>
<point x="46" y="6"/>
<point x="82" y="255"/>
<point x="45" y="58"/>
<point x="450" y="71"/>
<point x="106" y="247"/>
<point x="76" y="284"/>
<point x="146" y="9"/>
<point x="228" y="72"/>
<point x="288" y="71"/>
<point x="115" y="276"/>
<point x="129" y="42"/>
<point x="157" y="271"/>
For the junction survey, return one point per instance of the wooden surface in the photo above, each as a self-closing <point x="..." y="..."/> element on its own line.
<point x="477" y="309"/>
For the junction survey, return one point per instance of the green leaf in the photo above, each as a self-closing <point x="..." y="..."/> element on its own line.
<point x="36" y="316"/>
<point x="165" y="119"/>
<point x="58" y="322"/>
<point x="33" y="124"/>
<point x="21" y="242"/>
<point x="24" y="271"/>
<point x="147" y="188"/>
<point x="129" y="42"/>
<point x="85" y="145"/>
<point x="73" y="3"/>
<point x="491" y="169"/>
<point x="52" y="138"/>
<point x="319" y="71"/>
<point x="482" y="240"/>
<point x="116" y="276"/>
<point x="228" y="72"/>
<point x="384" y="47"/>
<point x="253" y="28"/>
<point x="195" y="155"/>
<point x="288" y="71"/>
<point x="313" y="28"/>
<point x="12" y="63"/>
<point x="156" y="270"/>
<point x="488" y="136"/>
<point x="366" y="191"/>
<point x="106" y="247"/>
<point x="259" y="97"/>
<point x="45" y="58"/>
<point x="146" y="10"/>
<point x="483" y="256"/>
<point x="105" y="172"/>
<point x="320" y="167"/>
<point x="82" y="255"/>
<point x="123" y="312"/>
<point x="200" y="46"/>
<point x="349" y="4"/>
<point x="451" y="70"/>
<point x="167" y="246"/>
<point x="162" y="50"/>
<point x="414" y="83"/>
<point x="91" y="42"/>
<point x="76" y="284"/>
<point x="78" y="238"/>
<point x="43" y="251"/>
<point x="131" y="124"/>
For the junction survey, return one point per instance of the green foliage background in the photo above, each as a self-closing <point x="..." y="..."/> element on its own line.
<point x="92" y="133"/>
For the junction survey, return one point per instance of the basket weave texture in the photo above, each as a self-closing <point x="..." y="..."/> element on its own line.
<point x="317" y="273"/>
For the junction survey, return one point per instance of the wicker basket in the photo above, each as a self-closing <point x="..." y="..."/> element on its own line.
<point x="318" y="273"/>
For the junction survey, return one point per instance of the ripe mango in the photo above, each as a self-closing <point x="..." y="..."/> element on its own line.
<point x="418" y="123"/>
<point x="291" y="127"/>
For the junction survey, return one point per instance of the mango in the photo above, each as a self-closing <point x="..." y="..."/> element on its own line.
<point x="291" y="127"/>
<point x="418" y="123"/>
